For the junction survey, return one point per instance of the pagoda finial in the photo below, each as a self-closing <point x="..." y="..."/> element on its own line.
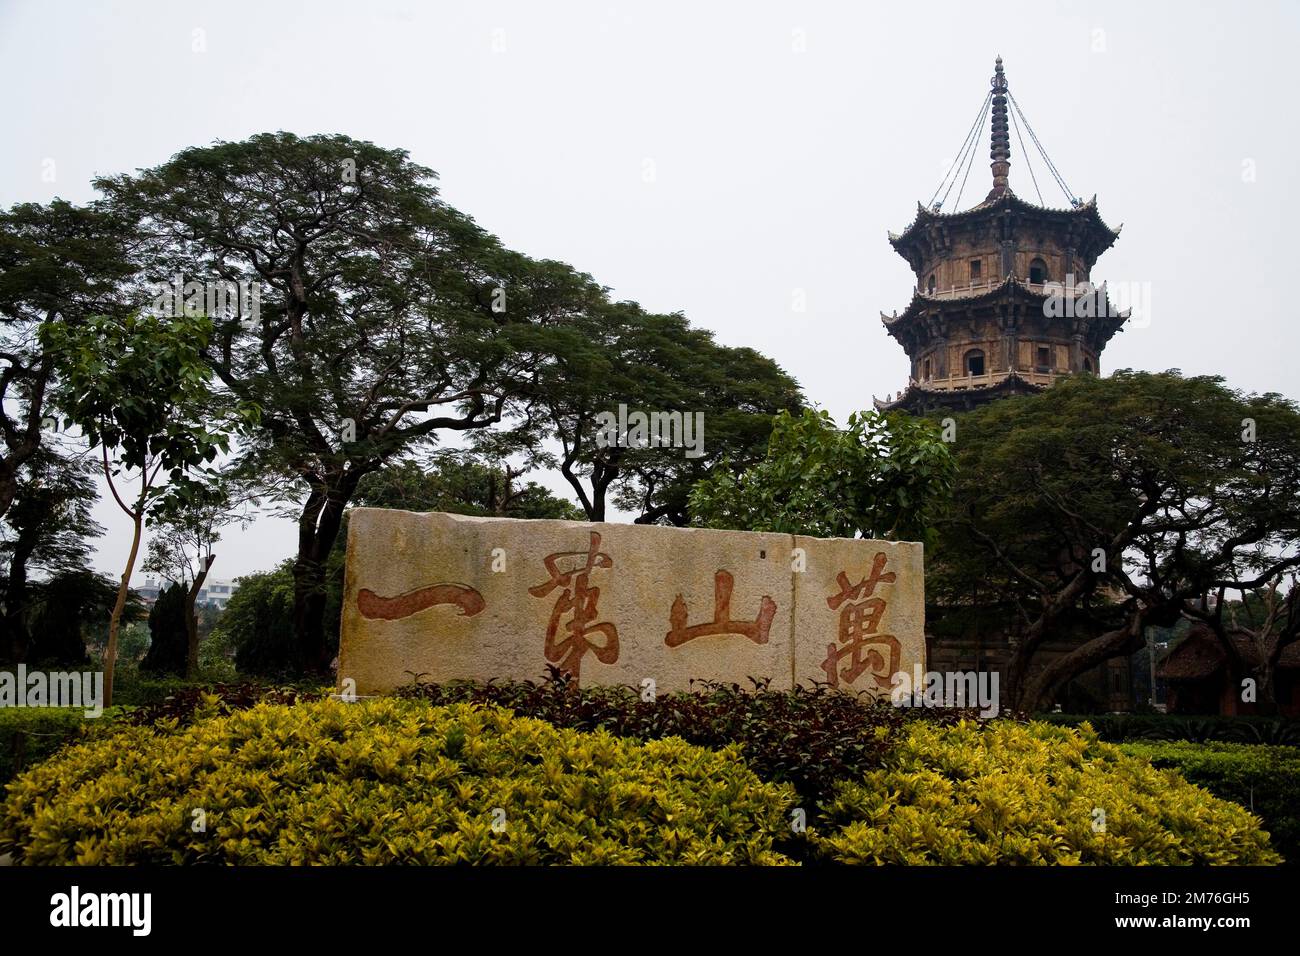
<point x="1001" y="145"/>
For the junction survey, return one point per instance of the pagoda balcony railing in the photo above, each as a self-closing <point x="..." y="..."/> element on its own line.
<point x="958" y="291"/>
<point x="973" y="288"/>
<point x="957" y="383"/>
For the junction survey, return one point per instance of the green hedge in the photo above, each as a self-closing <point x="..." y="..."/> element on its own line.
<point x="390" y="781"/>
<point x="1117" y="728"/>
<point x="131" y="687"/>
<point x="30" y="734"/>
<point x="1011" y="793"/>
<point x="399" y="780"/>
<point x="807" y="737"/>
<point x="1263" y="779"/>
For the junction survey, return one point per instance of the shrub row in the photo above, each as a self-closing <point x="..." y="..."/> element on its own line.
<point x="400" y="781"/>
<point x="1117" y="728"/>
<point x="1264" y="779"/>
<point x="184" y="703"/>
<point x="30" y="734"/>
<point x="389" y="781"/>
<point x="1012" y="793"/>
<point x="808" y="737"/>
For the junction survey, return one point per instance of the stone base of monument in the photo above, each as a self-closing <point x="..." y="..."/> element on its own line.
<point x="439" y="597"/>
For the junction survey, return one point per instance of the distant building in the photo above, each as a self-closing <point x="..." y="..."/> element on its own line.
<point x="1200" y="679"/>
<point x="214" y="593"/>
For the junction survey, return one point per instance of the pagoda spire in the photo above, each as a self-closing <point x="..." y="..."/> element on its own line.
<point x="1001" y="145"/>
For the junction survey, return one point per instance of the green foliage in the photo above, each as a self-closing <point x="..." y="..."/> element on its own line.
<point x="139" y="690"/>
<point x="1011" y="793"/>
<point x="376" y="331"/>
<point x="187" y="702"/>
<point x="882" y="476"/>
<point x="806" y="737"/>
<point x="1118" y="728"/>
<point x="138" y="386"/>
<point x="58" y="264"/>
<point x="133" y="641"/>
<point x="30" y="734"/>
<point x="46" y="529"/>
<point x="168" y="637"/>
<point x="1265" y="780"/>
<point x="390" y="781"/>
<point x="1062" y="496"/>
<point x="138" y="389"/>
<point x="69" y="613"/>
<point x="459" y="484"/>
<point x="258" y="623"/>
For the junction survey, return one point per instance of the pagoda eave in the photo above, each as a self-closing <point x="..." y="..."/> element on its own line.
<point x="1007" y="201"/>
<point x="918" y="399"/>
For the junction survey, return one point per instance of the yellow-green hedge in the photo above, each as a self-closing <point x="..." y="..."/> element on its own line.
<point x="390" y="781"/>
<point x="1029" y="794"/>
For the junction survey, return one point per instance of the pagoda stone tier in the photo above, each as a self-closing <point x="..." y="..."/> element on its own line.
<point x="1003" y="302"/>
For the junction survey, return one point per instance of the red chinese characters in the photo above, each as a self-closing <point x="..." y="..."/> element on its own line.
<point x="858" y="642"/>
<point x="579" y="601"/>
<point x="376" y="607"/>
<point x="756" y="630"/>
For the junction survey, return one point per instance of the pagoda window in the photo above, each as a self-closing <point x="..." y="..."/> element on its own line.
<point x="927" y="370"/>
<point x="975" y="362"/>
<point x="1087" y="365"/>
<point x="1044" y="358"/>
<point x="930" y="286"/>
<point x="1038" y="272"/>
<point x="975" y="270"/>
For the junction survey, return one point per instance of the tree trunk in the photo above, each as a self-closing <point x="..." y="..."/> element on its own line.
<point x="1033" y="638"/>
<point x="110" y="652"/>
<point x="192" y="622"/>
<point x="1040" y="689"/>
<point x="38" y="379"/>
<point x="318" y="529"/>
<point x="1265" y="696"/>
<point x="8" y="482"/>
<point x="13" y="647"/>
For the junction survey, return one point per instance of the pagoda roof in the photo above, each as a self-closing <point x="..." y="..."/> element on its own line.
<point x="1004" y="200"/>
<point x="988" y="294"/>
<point x="917" y="394"/>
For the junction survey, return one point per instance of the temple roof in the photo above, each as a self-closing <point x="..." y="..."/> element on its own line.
<point x="1007" y="201"/>
<point x="1201" y="654"/>
<point x="989" y="293"/>
<point x="917" y="393"/>
<point x="1001" y="198"/>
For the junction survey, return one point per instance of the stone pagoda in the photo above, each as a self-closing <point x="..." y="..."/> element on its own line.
<point x="1003" y="302"/>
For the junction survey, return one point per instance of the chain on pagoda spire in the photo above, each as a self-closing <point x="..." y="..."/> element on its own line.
<point x="1000" y="151"/>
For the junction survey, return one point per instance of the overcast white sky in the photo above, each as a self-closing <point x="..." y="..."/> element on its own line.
<point x="785" y="139"/>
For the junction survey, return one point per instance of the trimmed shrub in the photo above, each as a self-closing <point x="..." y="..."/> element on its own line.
<point x="189" y="702"/>
<point x="390" y="781"/>
<point x="258" y="623"/>
<point x="808" y="737"/>
<point x="30" y="734"/>
<point x="1029" y="794"/>
<point x="168" y="638"/>
<point x="1265" y="780"/>
<point x="1118" y="728"/>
